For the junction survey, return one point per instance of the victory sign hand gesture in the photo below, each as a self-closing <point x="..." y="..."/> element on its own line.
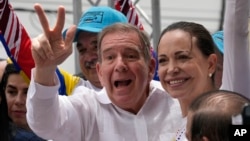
<point x="50" y="49"/>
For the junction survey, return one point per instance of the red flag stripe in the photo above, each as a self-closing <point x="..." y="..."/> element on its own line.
<point x="128" y="9"/>
<point x="17" y="39"/>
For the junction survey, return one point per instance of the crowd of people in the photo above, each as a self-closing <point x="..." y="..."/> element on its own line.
<point x="203" y="77"/>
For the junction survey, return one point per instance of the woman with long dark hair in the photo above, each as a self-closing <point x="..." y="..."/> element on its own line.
<point x="14" y="126"/>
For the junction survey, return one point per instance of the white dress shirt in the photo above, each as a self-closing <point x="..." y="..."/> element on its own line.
<point x="90" y="116"/>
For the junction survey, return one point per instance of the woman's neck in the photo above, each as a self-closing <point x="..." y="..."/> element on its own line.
<point x="184" y="104"/>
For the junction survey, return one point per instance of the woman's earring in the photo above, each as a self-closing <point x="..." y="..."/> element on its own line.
<point x="210" y="74"/>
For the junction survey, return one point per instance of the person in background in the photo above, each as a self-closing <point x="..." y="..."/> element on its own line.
<point x="125" y="68"/>
<point x="210" y="115"/>
<point x="13" y="90"/>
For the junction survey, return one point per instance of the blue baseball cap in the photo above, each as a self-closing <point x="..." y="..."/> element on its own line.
<point x="218" y="38"/>
<point x="97" y="18"/>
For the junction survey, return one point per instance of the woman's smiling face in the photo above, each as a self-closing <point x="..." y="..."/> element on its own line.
<point x="183" y="69"/>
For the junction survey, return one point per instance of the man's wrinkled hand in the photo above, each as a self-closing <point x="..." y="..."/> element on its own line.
<point x="50" y="49"/>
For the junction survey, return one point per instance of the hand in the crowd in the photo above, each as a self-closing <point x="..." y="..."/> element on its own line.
<point x="50" y="49"/>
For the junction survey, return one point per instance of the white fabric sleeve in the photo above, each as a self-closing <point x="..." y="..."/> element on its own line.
<point x="236" y="67"/>
<point x="49" y="115"/>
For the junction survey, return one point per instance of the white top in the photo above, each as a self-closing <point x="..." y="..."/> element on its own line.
<point x="236" y="66"/>
<point x="181" y="133"/>
<point x="90" y="116"/>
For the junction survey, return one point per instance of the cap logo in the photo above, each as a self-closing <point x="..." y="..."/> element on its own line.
<point x="93" y="17"/>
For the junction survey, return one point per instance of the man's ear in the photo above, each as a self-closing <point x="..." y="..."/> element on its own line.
<point x="152" y="68"/>
<point x="99" y="72"/>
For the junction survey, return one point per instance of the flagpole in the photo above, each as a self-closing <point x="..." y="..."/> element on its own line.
<point x="77" y="12"/>
<point x="156" y="22"/>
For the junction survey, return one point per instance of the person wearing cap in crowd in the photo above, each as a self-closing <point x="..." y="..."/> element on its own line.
<point x="128" y="107"/>
<point x="91" y="23"/>
<point x="19" y="47"/>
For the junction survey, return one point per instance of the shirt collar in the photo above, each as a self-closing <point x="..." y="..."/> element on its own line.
<point x="102" y="97"/>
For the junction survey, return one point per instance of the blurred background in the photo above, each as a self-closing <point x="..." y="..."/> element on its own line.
<point x="155" y="15"/>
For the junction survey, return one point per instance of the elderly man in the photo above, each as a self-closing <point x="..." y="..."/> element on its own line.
<point x="128" y="108"/>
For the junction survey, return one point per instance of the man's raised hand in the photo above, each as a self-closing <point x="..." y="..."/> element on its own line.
<point x="50" y="49"/>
